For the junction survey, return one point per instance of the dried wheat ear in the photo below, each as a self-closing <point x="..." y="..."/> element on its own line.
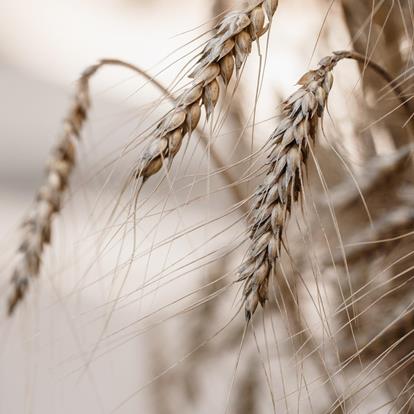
<point x="223" y="55"/>
<point x="36" y="229"/>
<point x="283" y="183"/>
<point x="290" y="144"/>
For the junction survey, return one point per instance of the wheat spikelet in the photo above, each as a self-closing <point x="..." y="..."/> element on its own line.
<point x="283" y="183"/>
<point x="223" y="55"/>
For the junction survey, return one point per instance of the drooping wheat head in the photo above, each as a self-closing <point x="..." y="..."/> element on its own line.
<point x="223" y="55"/>
<point x="283" y="183"/>
<point x="36" y="229"/>
<point x="290" y="144"/>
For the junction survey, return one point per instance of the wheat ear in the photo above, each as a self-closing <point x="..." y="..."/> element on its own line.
<point x="36" y="229"/>
<point x="290" y="144"/>
<point x="37" y="226"/>
<point x="222" y="56"/>
<point x="283" y="183"/>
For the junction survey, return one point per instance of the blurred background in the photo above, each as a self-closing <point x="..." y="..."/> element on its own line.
<point x="106" y="328"/>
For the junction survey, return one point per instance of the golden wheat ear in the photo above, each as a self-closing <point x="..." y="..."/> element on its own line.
<point x="223" y="55"/>
<point x="283" y="182"/>
<point x="290" y="145"/>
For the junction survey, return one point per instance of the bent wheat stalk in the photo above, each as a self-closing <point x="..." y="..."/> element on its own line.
<point x="283" y="185"/>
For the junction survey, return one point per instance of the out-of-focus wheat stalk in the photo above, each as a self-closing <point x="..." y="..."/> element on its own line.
<point x="376" y="30"/>
<point x="377" y="172"/>
<point x="37" y="226"/>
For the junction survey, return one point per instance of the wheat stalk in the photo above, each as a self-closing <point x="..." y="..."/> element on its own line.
<point x="376" y="237"/>
<point x="377" y="172"/>
<point x="386" y="335"/>
<point x="223" y="55"/>
<point x="375" y="34"/>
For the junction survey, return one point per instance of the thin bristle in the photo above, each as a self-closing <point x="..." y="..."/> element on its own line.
<point x="252" y="248"/>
